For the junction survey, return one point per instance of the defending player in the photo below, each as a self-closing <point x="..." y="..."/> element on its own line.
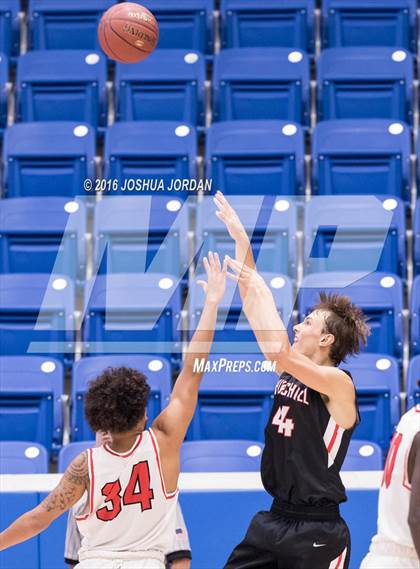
<point x="127" y="516"/>
<point x="313" y="417"/>
<point x="397" y="543"/>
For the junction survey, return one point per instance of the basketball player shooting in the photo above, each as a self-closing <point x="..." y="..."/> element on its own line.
<point x="309" y="430"/>
<point x="128" y="488"/>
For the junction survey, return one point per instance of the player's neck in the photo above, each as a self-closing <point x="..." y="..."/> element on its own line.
<point x="123" y="442"/>
<point x="322" y="360"/>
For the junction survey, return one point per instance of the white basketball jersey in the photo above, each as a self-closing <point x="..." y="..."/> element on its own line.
<point x="394" y="495"/>
<point x="128" y="510"/>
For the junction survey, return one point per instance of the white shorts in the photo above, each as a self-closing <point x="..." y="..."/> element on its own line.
<point x="101" y="563"/>
<point x="387" y="555"/>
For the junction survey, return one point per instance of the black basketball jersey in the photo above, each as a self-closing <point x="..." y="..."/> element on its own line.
<point x="304" y="447"/>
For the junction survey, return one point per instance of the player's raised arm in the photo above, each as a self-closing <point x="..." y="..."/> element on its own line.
<point x="71" y="488"/>
<point x="174" y="420"/>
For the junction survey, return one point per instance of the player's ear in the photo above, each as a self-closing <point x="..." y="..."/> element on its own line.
<point x="327" y="340"/>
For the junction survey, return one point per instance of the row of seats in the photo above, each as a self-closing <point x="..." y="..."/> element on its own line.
<point x="191" y="24"/>
<point x="257" y="157"/>
<point x="234" y="402"/>
<point x="127" y="312"/>
<point x="133" y="234"/>
<point x="247" y="83"/>
<point x="196" y="456"/>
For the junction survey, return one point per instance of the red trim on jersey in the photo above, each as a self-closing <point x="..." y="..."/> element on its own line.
<point x="334" y="436"/>
<point x="127" y="454"/>
<point x="91" y="488"/>
<point x="154" y="442"/>
<point x="338" y="562"/>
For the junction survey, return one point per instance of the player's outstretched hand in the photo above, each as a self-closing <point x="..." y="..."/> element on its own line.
<point x="230" y="218"/>
<point x="215" y="286"/>
<point x="250" y="278"/>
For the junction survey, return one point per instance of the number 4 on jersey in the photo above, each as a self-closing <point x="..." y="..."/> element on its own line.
<point x="285" y="426"/>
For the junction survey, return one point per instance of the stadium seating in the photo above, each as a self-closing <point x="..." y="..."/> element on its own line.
<point x="256" y="157"/>
<point x="48" y="159"/>
<point x="31" y="400"/>
<point x="343" y="235"/>
<point x="349" y="79"/>
<point x="36" y="308"/>
<point x="252" y="23"/>
<point x="361" y="157"/>
<point x="369" y="22"/>
<point x="168" y="85"/>
<point x="42" y="235"/>
<point x="23" y="458"/>
<point x="132" y="313"/>
<point x="415" y="316"/>
<point x="261" y="83"/>
<point x="380" y="296"/>
<point x="234" y="401"/>
<point x="62" y="86"/>
<point x="157" y="371"/>
<point x="232" y="326"/>
<point x="376" y="377"/>
<point x="9" y="27"/>
<point x="413" y="382"/>
<point x="221" y="456"/>
<point x="135" y="233"/>
<point x="185" y="24"/>
<point x="152" y="153"/>
<point x="416" y="237"/>
<point x="271" y="223"/>
<point x="67" y="24"/>
<point x="363" y="455"/>
<point x="69" y="453"/>
<point x="4" y="77"/>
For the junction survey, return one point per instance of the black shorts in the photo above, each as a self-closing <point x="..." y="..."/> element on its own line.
<point x="294" y="537"/>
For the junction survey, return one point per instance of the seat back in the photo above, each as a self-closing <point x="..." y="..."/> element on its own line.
<point x="413" y="382"/>
<point x="363" y="455"/>
<point x="221" y="456"/>
<point x="18" y="457"/>
<point x="9" y="27"/>
<point x="70" y="451"/>
<point x="4" y="77"/>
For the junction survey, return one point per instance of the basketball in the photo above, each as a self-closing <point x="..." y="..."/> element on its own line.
<point x="128" y="32"/>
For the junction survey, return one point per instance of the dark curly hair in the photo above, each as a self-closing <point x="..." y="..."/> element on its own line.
<point x="346" y="322"/>
<point x="116" y="400"/>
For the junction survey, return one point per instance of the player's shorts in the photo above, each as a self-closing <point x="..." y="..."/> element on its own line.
<point x="101" y="563"/>
<point x="387" y="555"/>
<point x="294" y="537"/>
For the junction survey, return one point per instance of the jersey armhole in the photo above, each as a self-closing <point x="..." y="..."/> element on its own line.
<point x="168" y="495"/>
<point x="90" y="492"/>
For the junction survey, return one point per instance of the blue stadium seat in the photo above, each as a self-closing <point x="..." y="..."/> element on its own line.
<point x="256" y="157"/>
<point x="363" y="455"/>
<point x="413" y="382"/>
<point x="184" y="24"/>
<point x="129" y="231"/>
<point x="349" y="79"/>
<point x="252" y="23"/>
<point x="31" y="400"/>
<point x="416" y="233"/>
<point x="221" y="456"/>
<point x="261" y="83"/>
<point x="157" y="371"/>
<point x="362" y="157"/>
<point x="234" y="402"/>
<point x="349" y="23"/>
<point x="36" y="308"/>
<point x="42" y="235"/>
<point x="48" y="159"/>
<point x="232" y="326"/>
<point x="271" y="223"/>
<point x="377" y="381"/>
<point x="132" y="313"/>
<point x="23" y="458"/>
<point x="358" y="233"/>
<point x="380" y="295"/>
<point x="69" y="452"/>
<point x="168" y="85"/>
<point x="415" y="316"/>
<point x="153" y="153"/>
<point x="4" y="77"/>
<point x="67" y="24"/>
<point x="9" y="27"/>
<point x="62" y="86"/>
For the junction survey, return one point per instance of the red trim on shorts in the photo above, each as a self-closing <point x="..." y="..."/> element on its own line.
<point x="171" y="494"/>
<point x="334" y="436"/>
<point x="127" y="454"/>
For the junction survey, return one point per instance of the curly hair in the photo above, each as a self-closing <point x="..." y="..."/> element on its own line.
<point x="116" y="400"/>
<point x="346" y="322"/>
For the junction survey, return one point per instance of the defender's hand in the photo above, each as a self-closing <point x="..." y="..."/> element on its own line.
<point x="228" y="215"/>
<point x="215" y="286"/>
